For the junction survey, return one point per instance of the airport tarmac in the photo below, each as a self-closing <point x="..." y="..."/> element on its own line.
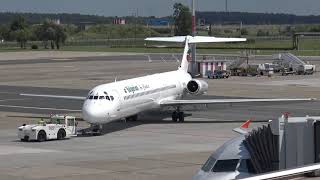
<point x="148" y="149"/>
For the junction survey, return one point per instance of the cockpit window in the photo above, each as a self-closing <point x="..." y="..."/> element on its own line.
<point x="95" y="97"/>
<point x="91" y="97"/>
<point x="209" y="164"/>
<point x="101" y="97"/>
<point x="229" y="165"/>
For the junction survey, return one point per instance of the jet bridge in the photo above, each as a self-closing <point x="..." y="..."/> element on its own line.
<point x="287" y="142"/>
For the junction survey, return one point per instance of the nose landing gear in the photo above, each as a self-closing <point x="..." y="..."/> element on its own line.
<point x="94" y="129"/>
<point x="178" y="115"/>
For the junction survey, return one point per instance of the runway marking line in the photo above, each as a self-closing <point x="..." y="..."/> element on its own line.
<point x="61" y="59"/>
<point x="3" y="92"/>
<point x="12" y="99"/>
<point x="40" y="108"/>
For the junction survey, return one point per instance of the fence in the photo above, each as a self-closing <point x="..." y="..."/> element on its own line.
<point x="272" y="43"/>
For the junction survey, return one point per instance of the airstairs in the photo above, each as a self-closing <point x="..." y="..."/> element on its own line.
<point x="293" y="63"/>
<point x="290" y="60"/>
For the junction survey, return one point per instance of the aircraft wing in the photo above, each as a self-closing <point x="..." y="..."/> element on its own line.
<point x="224" y="101"/>
<point x="55" y="96"/>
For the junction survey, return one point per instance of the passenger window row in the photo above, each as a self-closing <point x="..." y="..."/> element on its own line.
<point x="109" y="98"/>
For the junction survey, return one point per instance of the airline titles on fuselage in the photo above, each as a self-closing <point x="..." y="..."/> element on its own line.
<point x="134" y="88"/>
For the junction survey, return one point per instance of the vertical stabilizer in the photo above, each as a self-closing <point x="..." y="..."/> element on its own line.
<point x="184" y="62"/>
<point x="192" y="40"/>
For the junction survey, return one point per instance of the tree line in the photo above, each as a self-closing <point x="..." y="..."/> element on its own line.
<point x="255" y="18"/>
<point x="21" y="31"/>
<point x="66" y="18"/>
<point x="209" y="17"/>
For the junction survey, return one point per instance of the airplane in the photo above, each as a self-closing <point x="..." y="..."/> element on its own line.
<point x="128" y="98"/>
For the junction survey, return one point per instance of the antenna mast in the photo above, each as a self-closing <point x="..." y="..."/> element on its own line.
<point x="193" y="46"/>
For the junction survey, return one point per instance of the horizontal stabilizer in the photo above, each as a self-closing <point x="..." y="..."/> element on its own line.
<point x="196" y="39"/>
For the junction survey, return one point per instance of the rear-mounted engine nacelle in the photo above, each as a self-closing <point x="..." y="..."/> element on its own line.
<point x="197" y="87"/>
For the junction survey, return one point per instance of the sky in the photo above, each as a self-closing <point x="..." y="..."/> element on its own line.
<point x="157" y="7"/>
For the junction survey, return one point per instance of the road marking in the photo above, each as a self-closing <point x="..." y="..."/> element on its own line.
<point x="10" y="150"/>
<point x="61" y="59"/>
<point x="12" y="99"/>
<point x="40" y="108"/>
<point x="4" y="92"/>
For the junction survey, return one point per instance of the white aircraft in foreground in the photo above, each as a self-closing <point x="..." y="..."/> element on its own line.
<point x="128" y="98"/>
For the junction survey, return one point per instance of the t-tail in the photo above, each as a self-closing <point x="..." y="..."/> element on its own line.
<point x="192" y="40"/>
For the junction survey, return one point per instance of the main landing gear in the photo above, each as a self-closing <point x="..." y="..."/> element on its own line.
<point x="178" y="115"/>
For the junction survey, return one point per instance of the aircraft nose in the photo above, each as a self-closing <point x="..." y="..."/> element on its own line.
<point x="94" y="113"/>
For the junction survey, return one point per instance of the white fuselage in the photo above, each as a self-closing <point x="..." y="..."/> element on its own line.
<point x="112" y="101"/>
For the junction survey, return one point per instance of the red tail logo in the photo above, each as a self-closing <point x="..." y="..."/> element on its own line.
<point x="246" y="124"/>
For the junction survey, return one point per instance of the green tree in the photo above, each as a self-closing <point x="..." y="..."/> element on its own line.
<point x="18" y="24"/>
<point x="4" y="32"/>
<point x="52" y="33"/>
<point x="262" y="33"/>
<point x="182" y="20"/>
<point x="244" y="32"/>
<point x="21" y="36"/>
<point x="60" y="35"/>
<point x="19" y="31"/>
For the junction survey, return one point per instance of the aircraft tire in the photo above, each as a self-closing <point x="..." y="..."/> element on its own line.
<point x="181" y="116"/>
<point x="175" y="117"/>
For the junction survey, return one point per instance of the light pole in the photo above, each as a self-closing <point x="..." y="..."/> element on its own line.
<point x="193" y="61"/>
<point x="226" y="5"/>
